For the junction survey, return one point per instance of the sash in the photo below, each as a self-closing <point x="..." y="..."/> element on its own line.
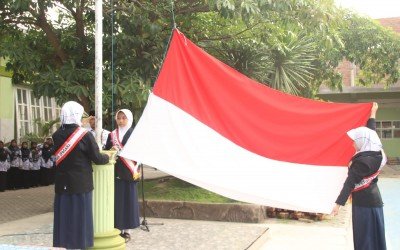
<point x="132" y="166"/>
<point x="366" y="181"/>
<point x="69" y="144"/>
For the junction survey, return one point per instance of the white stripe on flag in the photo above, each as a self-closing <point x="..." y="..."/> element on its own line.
<point x="174" y="142"/>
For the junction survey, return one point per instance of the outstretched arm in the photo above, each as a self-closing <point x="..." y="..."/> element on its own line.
<point x="374" y="109"/>
<point x="371" y="121"/>
<point x="353" y="178"/>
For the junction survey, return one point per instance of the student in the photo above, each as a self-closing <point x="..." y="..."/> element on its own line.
<point x="361" y="182"/>
<point x="75" y="150"/>
<point x="25" y="165"/>
<point x="51" y="172"/>
<point x="35" y="166"/>
<point x="46" y="164"/>
<point x="126" y="208"/>
<point x="4" y="166"/>
<point x="92" y="128"/>
<point x="14" y="173"/>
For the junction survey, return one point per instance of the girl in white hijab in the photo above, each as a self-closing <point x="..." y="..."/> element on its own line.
<point x="126" y="208"/>
<point x="76" y="150"/>
<point x="71" y="113"/>
<point x="124" y="119"/>
<point x="362" y="184"/>
<point x="365" y="139"/>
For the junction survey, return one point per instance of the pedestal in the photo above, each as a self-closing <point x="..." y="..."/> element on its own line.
<point x="105" y="235"/>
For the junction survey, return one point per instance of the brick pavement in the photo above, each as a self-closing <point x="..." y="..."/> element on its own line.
<point x="172" y="234"/>
<point x="24" y="203"/>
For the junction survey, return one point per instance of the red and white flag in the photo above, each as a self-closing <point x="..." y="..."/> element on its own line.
<point x="210" y="125"/>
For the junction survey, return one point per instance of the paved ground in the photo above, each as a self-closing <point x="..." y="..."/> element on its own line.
<point x="390" y="193"/>
<point x="23" y="203"/>
<point x="26" y="221"/>
<point x="172" y="234"/>
<point x="392" y="171"/>
<point x="184" y="234"/>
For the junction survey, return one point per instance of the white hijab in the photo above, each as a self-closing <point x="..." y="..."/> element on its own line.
<point x="365" y="139"/>
<point x="71" y="113"/>
<point x="122" y="130"/>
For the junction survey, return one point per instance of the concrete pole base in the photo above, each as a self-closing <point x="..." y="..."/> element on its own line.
<point x="110" y="241"/>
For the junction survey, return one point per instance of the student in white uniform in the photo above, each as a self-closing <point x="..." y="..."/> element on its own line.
<point x="36" y="154"/>
<point x="14" y="173"/>
<point x="4" y="166"/>
<point x="25" y="165"/>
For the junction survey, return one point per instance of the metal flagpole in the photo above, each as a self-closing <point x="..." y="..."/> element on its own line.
<point x="99" y="70"/>
<point x="105" y="235"/>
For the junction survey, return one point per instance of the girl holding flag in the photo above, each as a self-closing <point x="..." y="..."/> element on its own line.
<point x="126" y="208"/>
<point x="75" y="149"/>
<point x="361" y="183"/>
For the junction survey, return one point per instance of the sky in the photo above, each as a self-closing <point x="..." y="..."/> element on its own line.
<point x="373" y="8"/>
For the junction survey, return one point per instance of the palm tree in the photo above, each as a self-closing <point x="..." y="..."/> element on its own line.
<point x="291" y="58"/>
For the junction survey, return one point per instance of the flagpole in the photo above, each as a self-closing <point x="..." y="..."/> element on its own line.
<point x="98" y="84"/>
<point x="105" y="235"/>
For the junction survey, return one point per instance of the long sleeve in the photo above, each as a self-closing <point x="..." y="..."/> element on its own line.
<point x="94" y="151"/>
<point x="371" y="123"/>
<point x="357" y="171"/>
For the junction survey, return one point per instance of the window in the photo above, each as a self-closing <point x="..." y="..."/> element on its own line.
<point x="22" y="110"/>
<point x="30" y="110"/>
<point x="47" y="108"/>
<point x="388" y="129"/>
<point x="35" y="111"/>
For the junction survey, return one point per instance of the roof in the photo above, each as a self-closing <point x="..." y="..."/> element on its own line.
<point x="392" y="22"/>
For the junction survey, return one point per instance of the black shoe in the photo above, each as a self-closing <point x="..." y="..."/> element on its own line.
<point x="126" y="236"/>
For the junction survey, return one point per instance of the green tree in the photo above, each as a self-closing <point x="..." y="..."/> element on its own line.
<point x="291" y="45"/>
<point x="375" y="49"/>
<point x="55" y="54"/>
<point x="317" y="34"/>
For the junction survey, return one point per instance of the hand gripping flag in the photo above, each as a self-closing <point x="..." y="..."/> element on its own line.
<point x="210" y="125"/>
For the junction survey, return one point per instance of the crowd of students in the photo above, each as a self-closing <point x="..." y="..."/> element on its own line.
<point x="67" y="163"/>
<point x="25" y="167"/>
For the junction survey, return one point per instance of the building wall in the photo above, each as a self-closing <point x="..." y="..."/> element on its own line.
<point x="6" y="104"/>
<point x="392" y="145"/>
<point x="347" y="70"/>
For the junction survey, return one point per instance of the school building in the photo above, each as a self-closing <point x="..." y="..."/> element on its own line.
<point x="20" y="110"/>
<point x="388" y="116"/>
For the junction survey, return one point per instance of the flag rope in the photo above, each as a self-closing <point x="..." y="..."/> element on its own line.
<point x="112" y="64"/>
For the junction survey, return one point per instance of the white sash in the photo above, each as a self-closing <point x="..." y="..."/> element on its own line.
<point x="69" y="144"/>
<point x="129" y="164"/>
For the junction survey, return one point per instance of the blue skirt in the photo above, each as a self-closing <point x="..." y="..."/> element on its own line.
<point x="368" y="228"/>
<point x="126" y="205"/>
<point x="73" y="221"/>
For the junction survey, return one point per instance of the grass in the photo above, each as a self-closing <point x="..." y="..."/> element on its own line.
<point x="177" y="190"/>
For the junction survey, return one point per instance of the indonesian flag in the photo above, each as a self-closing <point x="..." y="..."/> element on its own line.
<point x="210" y="125"/>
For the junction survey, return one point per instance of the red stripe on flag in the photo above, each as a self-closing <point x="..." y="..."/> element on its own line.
<point x="260" y="119"/>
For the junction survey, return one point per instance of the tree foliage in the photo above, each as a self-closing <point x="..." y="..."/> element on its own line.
<point x="374" y="49"/>
<point x="291" y="45"/>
